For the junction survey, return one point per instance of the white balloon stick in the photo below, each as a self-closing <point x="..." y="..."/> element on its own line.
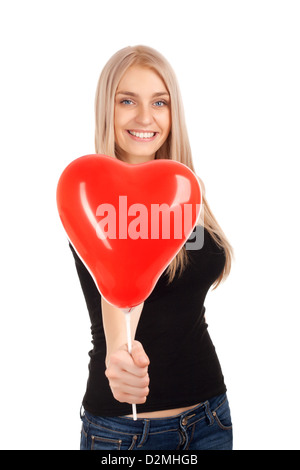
<point x="129" y="343"/>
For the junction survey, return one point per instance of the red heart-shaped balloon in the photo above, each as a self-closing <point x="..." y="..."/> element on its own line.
<point x="127" y="222"/>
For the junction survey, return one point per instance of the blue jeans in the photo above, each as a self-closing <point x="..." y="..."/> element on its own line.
<point x="207" y="426"/>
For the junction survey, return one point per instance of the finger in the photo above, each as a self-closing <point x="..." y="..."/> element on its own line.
<point x="123" y="362"/>
<point x="139" y="356"/>
<point x="131" y="380"/>
<point x="124" y="397"/>
<point x="138" y="392"/>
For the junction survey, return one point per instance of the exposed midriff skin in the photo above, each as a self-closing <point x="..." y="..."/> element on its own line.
<point x="163" y="413"/>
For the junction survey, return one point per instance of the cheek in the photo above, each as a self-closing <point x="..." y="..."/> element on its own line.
<point x="166" y="128"/>
<point x="166" y="122"/>
<point x="118" y="127"/>
<point x="118" y="117"/>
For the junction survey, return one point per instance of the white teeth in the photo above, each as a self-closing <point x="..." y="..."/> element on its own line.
<point x="142" y="135"/>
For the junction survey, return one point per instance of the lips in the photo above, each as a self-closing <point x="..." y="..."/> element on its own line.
<point x="142" y="135"/>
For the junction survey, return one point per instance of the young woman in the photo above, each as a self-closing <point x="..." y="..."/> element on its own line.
<point x="173" y="374"/>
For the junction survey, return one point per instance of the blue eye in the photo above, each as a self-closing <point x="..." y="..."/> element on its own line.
<point x="126" y="102"/>
<point x="160" y="103"/>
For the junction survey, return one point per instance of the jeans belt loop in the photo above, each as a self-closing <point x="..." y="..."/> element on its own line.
<point x="208" y="413"/>
<point x="145" y="432"/>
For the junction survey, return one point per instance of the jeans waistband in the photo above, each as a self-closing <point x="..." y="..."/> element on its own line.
<point x="142" y="426"/>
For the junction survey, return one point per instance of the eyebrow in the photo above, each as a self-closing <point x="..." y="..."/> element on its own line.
<point x="134" y="95"/>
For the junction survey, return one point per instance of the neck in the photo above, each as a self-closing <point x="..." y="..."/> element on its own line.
<point x="134" y="159"/>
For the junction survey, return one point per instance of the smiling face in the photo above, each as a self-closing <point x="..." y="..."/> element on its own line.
<point x="142" y="119"/>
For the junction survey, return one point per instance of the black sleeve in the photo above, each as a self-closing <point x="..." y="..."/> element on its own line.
<point x="90" y="291"/>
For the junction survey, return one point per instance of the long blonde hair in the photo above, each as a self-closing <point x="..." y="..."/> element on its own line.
<point x="176" y="147"/>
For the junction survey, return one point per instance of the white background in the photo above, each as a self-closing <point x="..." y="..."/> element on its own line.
<point x="237" y="63"/>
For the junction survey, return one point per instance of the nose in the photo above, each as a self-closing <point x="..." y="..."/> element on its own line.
<point x="144" y="115"/>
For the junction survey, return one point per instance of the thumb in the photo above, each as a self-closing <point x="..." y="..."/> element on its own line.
<point x="138" y="354"/>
